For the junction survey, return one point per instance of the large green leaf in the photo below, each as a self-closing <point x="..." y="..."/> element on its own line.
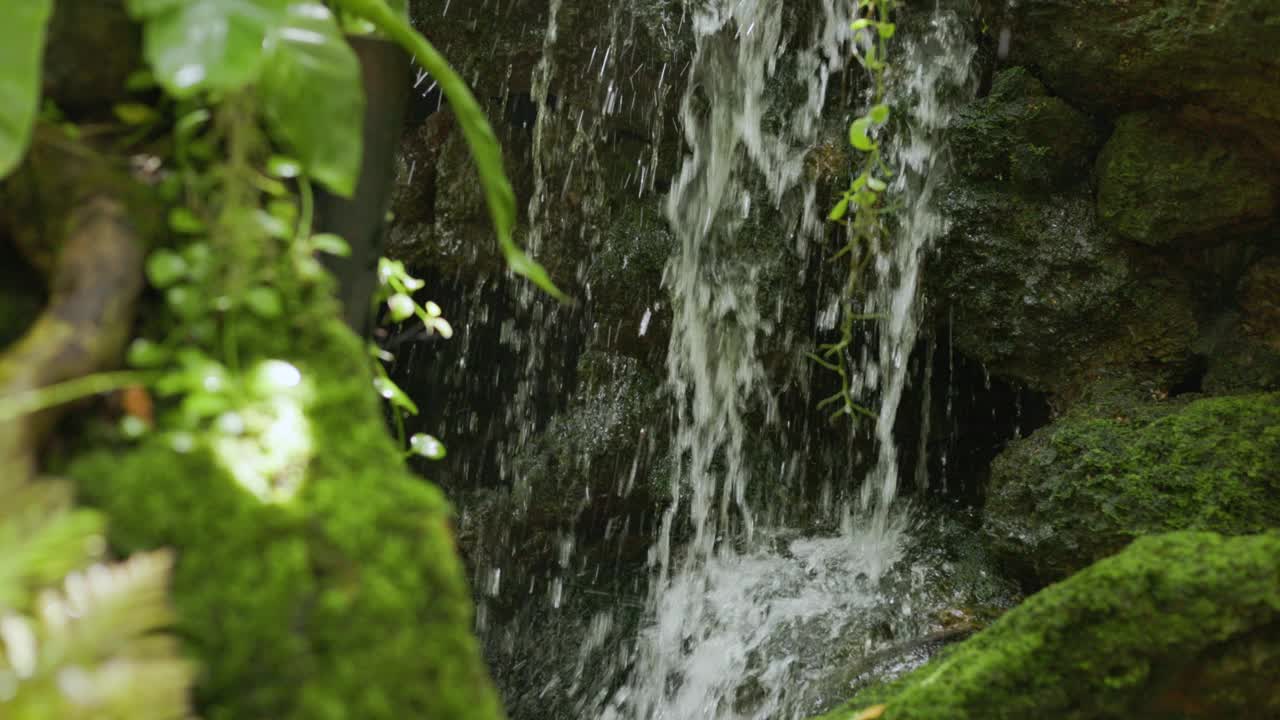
<point x="313" y="95"/>
<point x="216" y="45"/>
<point x="21" y="52"/>
<point x="485" y="149"/>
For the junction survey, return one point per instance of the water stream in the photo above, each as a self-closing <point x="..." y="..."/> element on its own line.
<point x="719" y="602"/>
<point x="746" y="612"/>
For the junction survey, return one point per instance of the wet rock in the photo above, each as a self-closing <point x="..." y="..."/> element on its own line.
<point x="1116" y="467"/>
<point x="1181" y="625"/>
<point x="92" y="49"/>
<point x="1040" y="293"/>
<point x="1111" y="57"/>
<point x="1160" y="181"/>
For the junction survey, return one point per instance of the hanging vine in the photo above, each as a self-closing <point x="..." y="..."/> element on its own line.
<point x="862" y="208"/>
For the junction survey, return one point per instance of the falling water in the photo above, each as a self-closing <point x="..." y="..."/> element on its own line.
<point x="933" y="67"/>
<point x="728" y="597"/>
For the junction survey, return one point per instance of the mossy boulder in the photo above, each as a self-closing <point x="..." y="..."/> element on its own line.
<point x="1114" y="469"/>
<point x="346" y="601"/>
<point x="1160" y="181"/>
<point x="1182" y="625"/>
<point x="1114" y="57"/>
<point x="1021" y="134"/>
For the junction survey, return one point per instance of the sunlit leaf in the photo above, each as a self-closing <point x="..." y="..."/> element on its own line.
<point x="144" y="353"/>
<point x="401" y="306"/>
<point x="22" y="35"/>
<point x="394" y="395"/>
<point x="858" y="134"/>
<point x="313" y="96"/>
<point x="330" y="244"/>
<point x="427" y="446"/>
<point x="840" y="210"/>
<point x="213" y="45"/>
<point x="265" y="302"/>
<point x="165" y="267"/>
<point x="879" y="113"/>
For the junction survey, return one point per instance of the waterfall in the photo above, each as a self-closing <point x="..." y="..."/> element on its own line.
<point x="722" y="605"/>
<point x="932" y="67"/>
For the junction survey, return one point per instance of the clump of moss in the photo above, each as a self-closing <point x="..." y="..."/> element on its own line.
<point x="1183" y="625"/>
<point x="1159" y="182"/>
<point x="1116" y="468"/>
<point x="347" y="601"/>
<point x="1019" y="133"/>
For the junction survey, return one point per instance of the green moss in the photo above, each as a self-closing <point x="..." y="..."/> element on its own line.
<point x="1019" y="133"/>
<point x="1114" y="469"/>
<point x="1159" y="182"/>
<point x="347" y="602"/>
<point x="1183" y="625"/>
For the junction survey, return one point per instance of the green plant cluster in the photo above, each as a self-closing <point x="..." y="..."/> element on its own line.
<point x="345" y="601"/>
<point x="862" y="207"/>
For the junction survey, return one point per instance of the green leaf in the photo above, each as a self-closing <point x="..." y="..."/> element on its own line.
<point x="858" y="134"/>
<point x="182" y="220"/>
<point x="394" y="395"/>
<point x="887" y="30"/>
<point x="165" y="268"/>
<point x="135" y="113"/>
<point x="21" y="53"/>
<point x="860" y="24"/>
<point x="840" y="210"/>
<point x="879" y="114"/>
<point x="144" y="353"/>
<point x="313" y="96"/>
<point x="475" y="128"/>
<point x="876" y="184"/>
<point x="214" y="45"/>
<point x="264" y="302"/>
<point x="427" y="446"/>
<point x="330" y="244"/>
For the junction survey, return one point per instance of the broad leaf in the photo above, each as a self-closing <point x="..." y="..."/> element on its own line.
<point x="313" y="95"/>
<point x="21" y="53"/>
<point x="217" y="45"/>
<point x="484" y="146"/>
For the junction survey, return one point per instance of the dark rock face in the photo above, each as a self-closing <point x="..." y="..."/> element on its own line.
<point x="1035" y="286"/>
<point x="1115" y="469"/>
<point x="1112" y="58"/>
<point x="1180" y="625"/>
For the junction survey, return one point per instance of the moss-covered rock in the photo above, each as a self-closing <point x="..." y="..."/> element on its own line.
<point x="1113" y="57"/>
<point x="1160" y="181"/>
<point x="1114" y="469"/>
<point x="1021" y="134"/>
<point x="1182" y="625"/>
<point x="346" y="601"/>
